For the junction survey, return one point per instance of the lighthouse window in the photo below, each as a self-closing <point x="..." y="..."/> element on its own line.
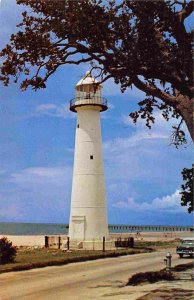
<point x="91" y="157"/>
<point x="77" y="125"/>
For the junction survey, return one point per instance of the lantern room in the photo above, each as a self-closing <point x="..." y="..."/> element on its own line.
<point x="88" y="91"/>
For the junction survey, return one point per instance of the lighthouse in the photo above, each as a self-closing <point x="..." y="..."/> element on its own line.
<point x="88" y="216"/>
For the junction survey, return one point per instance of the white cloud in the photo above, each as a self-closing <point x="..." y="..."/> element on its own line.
<point x="169" y="203"/>
<point x="42" y="172"/>
<point x="50" y="178"/>
<point x="53" y="110"/>
<point x="161" y="128"/>
<point x="13" y="212"/>
<point x="110" y="88"/>
<point x="111" y="106"/>
<point x="142" y="159"/>
<point x="2" y="172"/>
<point x="119" y="144"/>
<point x="59" y="111"/>
<point x="138" y="142"/>
<point x="135" y="158"/>
<point x="142" y="141"/>
<point x="39" y="193"/>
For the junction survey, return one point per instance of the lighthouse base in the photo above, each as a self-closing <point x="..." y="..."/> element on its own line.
<point x="98" y="245"/>
<point x="88" y="224"/>
<point x="90" y="245"/>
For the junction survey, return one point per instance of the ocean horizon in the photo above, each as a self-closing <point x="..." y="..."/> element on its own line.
<point x="22" y="228"/>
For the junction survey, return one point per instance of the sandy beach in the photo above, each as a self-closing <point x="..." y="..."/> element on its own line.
<point x="155" y="236"/>
<point x="39" y="240"/>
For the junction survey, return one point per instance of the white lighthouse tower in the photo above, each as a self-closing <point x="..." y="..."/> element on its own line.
<point x="88" y="216"/>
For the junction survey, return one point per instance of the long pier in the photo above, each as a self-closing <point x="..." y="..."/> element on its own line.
<point x="148" y="228"/>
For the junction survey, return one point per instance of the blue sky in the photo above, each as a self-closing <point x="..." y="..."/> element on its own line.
<point x="37" y="133"/>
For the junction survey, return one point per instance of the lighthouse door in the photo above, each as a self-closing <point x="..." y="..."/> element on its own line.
<point x="78" y="223"/>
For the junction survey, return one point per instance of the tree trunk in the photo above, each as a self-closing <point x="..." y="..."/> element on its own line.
<point x="185" y="108"/>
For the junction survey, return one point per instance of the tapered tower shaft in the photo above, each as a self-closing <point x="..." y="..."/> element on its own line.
<point x="88" y="216"/>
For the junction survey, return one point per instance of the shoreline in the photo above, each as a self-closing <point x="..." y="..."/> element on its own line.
<point x="39" y="240"/>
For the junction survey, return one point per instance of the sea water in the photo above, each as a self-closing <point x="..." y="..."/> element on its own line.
<point x="10" y="228"/>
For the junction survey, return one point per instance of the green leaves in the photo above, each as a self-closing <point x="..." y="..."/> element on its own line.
<point x="187" y="189"/>
<point x="7" y="251"/>
<point x="133" y="35"/>
<point x="139" y="43"/>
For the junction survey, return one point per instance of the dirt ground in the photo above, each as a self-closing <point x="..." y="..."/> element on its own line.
<point x="182" y="289"/>
<point x="39" y="240"/>
<point x="154" y="236"/>
<point x="170" y="294"/>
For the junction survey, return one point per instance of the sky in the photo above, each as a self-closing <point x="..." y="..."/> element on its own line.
<point x="37" y="136"/>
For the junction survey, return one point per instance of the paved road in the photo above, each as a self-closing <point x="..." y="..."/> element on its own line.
<point x="79" y="281"/>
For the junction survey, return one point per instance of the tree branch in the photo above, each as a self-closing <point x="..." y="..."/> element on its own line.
<point x="178" y="135"/>
<point x="152" y="90"/>
<point x="186" y="11"/>
<point x="174" y="80"/>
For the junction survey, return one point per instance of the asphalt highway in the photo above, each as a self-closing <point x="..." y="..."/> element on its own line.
<point x="80" y="281"/>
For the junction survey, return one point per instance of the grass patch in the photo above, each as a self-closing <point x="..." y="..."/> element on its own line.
<point x="153" y="277"/>
<point x="150" y="277"/>
<point x="183" y="267"/>
<point x="27" y="259"/>
<point x="156" y="244"/>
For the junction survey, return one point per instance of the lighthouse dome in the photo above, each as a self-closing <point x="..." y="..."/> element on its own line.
<point x="87" y="79"/>
<point x="88" y="93"/>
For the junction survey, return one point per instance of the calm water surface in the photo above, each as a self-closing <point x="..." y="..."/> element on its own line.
<point x="10" y="228"/>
